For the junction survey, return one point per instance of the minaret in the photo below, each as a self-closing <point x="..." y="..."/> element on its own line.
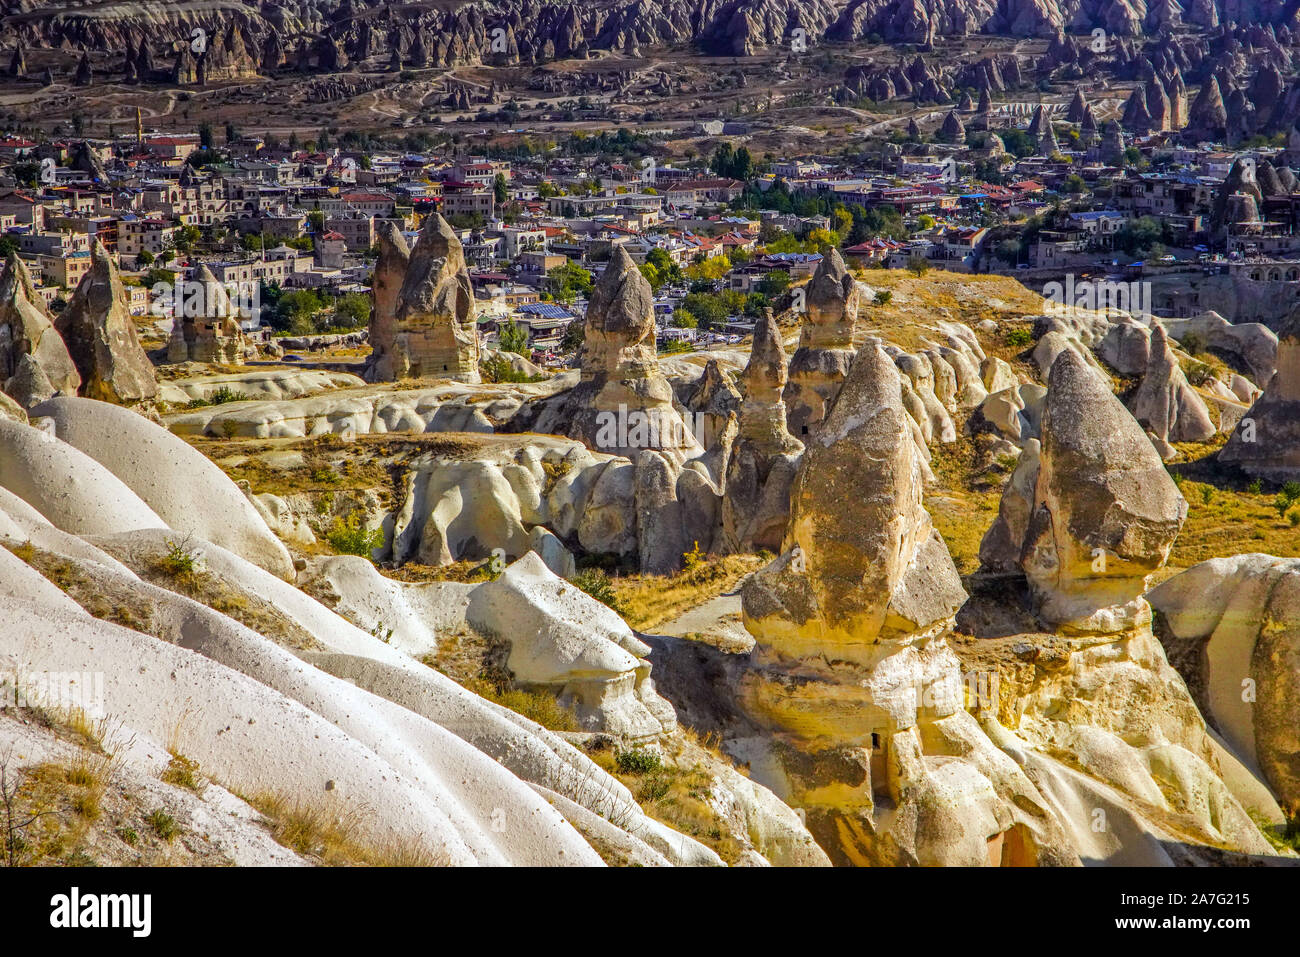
<point x="139" y="129"/>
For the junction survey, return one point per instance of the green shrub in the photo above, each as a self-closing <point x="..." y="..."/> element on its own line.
<point x="638" y="761"/>
<point x="655" y="787"/>
<point x="498" y="369"/>
<point x="1019" y="338"/>
<point x="183" y="772"/>
<point x="178" y="561"/>
<point x="1199" y="373"/>
<point x="163" y="824"/>
<point x="538" y="706"/>
<point x="598" y="585"/>
<point x="349" y="537"/>
<point x="226" y="394"/>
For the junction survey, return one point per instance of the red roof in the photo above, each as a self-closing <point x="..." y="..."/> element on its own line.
<point x="332" y="236"/>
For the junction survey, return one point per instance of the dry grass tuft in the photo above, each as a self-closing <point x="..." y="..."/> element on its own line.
<point x="183" y="772"/>
<point x="672" y="784"/>
<point x="335" y="842"/>
<point x="649" y="600"/>
<point x="478" y="664"/>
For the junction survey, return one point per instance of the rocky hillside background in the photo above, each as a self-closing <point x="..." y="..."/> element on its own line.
<point x="268" y="35"/>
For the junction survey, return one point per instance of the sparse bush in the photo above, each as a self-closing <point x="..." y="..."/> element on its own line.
<point x="178" y="562"/>
<point x="883" y="297"/>
<point x="598" y="585"/>
<point x="325" y="475"/>
<point x="1207" y="494"/>
<point x="183" y="772"/>
<point x="1018" y="338"/>
<point x="497" y="368"/>
<point x="638" y="761"/>
<point x="226" y="394"/>
<point x="1193" y="343"/>
<point x="1294" y="518"/>
<point x="163" y="824"/>
<point x="229" y="427"/>
<point x="88" y="777"/>
<point x="332" y="839"/>
<point x="540" y="706"/>
<point x="693" y="559"/>
<point x="349" y="537"/>
<point x="655" y="787"/>
<point x="1199" y="373"/>
<point x="1256" y="487"/>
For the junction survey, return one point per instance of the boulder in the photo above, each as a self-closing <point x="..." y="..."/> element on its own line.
<point x="385" y="289"/>
<point x="1105" y="513"/>
<point x="826" y="346"/>
<point x="622" y="403"/>
<point x="1231" y="623"/>
<point x="756" y="502"/>
<point x="101" y="338"/>
<point x="207" y="328"/>
<point x="434" y="329"/>
<point x="1249" y="346"/>
<point x="559" y="637"/>
<point x="1165" y="402"/>
<point x="852" y="679"/>
<point x="887" y="573"/>
<point x="34" y="362"/>
<point x="1266" y="442"/>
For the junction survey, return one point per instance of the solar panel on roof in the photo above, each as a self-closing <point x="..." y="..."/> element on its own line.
<point x="546" y="310"/>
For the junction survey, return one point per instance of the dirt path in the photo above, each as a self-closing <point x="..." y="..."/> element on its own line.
<point x="715" y="622"/>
